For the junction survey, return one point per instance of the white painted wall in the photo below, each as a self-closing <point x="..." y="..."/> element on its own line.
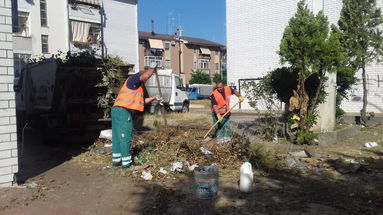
<point x="57" y="29"/>
<point x="254" y="31"/>
<point x="121" y="30"/>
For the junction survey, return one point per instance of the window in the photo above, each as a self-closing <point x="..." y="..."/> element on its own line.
<point x="216" y="66"/>
<point x="43" y="13"/>
<point x="23" y="24"/>
<point x="204" y="64"/>
<point x="44" y="43"/>
<point x="168" y="64"/>
<point x="167" y="46"/>
<point x="178" y="83"/>
<point x="86" y="33"/>
<point x="94" y="36"/>
<point x="156" y="59"/>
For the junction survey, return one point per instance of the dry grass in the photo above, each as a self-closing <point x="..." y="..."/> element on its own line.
<point x="175" y="119"/>
<point x="203" y="102"/>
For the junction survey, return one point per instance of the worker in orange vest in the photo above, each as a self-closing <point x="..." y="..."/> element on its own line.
<point x="129" y="104"/>
<point x="220" y="104"/>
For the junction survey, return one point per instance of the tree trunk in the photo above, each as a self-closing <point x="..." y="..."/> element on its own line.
<point x="363" y="115"/>
<point x="317" y="92"/>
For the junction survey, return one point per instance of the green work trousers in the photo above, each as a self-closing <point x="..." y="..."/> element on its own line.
<point x="222" y="129"/>
<point x="122" y="135"/>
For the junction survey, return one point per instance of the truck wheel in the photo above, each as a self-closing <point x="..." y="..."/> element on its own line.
<point x="185" y="108"/>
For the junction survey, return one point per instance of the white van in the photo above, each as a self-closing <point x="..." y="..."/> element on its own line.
<point x="174" y="94"/>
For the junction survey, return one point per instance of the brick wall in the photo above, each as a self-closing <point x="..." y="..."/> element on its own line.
<point x="8" y="137"/>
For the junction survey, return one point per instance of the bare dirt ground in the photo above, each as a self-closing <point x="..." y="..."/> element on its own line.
<point x="67" y="178"/>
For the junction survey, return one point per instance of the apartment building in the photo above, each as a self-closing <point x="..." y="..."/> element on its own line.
<point x="183" y="55"/>
<point x="254" y="32"/>
<point x="45" y="27"/>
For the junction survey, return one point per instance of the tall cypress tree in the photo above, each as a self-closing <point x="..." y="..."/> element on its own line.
<point x="362" y="39"/>
<point x="313" y="51"/>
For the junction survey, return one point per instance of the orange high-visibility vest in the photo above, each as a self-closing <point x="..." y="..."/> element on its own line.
<point x="132" y="99"/>
<point x="222" y="103"/>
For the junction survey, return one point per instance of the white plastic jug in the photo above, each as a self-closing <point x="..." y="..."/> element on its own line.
<point x="246" y="177"/>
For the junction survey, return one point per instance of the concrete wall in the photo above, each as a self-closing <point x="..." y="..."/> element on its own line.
<point x="8" y="137"/>
<point x="121" y="30"/>
<point x="254" y="31"/>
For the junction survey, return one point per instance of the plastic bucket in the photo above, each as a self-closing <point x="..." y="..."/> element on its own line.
<point x="206" y="182"/>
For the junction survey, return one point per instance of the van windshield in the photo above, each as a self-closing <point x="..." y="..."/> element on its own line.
<point x="193" y="89"/>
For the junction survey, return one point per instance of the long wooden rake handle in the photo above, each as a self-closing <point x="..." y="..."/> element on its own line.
<point x="211" y="128"/>
<point x="163" y="111"/>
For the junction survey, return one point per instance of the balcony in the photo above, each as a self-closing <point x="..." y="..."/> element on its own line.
<point x="85" y="13"/>
<point x="22" y="43"/>
<point x="97" y="48"/>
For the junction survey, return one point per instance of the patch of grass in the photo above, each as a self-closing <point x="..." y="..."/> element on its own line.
<point x="264" y="158"/>
<point x="204" y="102"/>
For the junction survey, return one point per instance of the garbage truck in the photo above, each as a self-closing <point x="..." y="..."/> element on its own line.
<point x="173" y="92"/>
<point x="54" y="97"/>
<point x="199" y="91"/>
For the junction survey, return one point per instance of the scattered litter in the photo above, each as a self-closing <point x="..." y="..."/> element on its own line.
<point x="140" y="142"/>
<point x="146" y="175"/>
<point x="370" y="144"/>
<point x="301" y="154"/>
<point x="100" y="151"/>
<point x="31" y="185"/>
<point x="375" y="133"/>
<point x="275" y="139"/>
<point x="106" y="134"/>
<point x="350" y="160"/>
<point x="176" y="167"/>
<point x="107" y="145"/>
<point x="163" y="171"/>
<point x="106" y="167"/>
<point x="291" y="162"/>
<point x="205" y="151"/>
<point x="192" y="167"/>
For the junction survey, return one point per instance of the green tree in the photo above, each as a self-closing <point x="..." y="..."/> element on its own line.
<point x="359" y="24"/>
<point x="312" y="51"/>
<point x="199" y="77"/>
<point x="216" y="77"/>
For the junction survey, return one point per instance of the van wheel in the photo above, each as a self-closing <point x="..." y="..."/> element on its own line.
<point x="185" y="108"/>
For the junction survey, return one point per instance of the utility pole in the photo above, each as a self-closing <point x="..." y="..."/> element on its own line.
<point x="179" y="35"/>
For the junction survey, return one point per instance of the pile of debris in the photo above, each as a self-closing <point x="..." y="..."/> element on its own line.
<point x="174" y="149"/>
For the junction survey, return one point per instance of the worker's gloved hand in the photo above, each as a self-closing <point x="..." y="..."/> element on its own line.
<point x="160" y="100"/>
<point x="220" y="118"/>
<point x="241" y="99"/>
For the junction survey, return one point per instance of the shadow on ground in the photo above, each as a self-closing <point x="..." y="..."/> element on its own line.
<point x="37" y="154"/>
<point x="287" y="191"/>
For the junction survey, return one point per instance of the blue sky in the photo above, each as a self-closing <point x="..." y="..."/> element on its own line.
<point x="199" y="18"/>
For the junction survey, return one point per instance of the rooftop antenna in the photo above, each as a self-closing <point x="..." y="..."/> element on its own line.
<point x="153" y="27"/>
<point x="171" y="20"/>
